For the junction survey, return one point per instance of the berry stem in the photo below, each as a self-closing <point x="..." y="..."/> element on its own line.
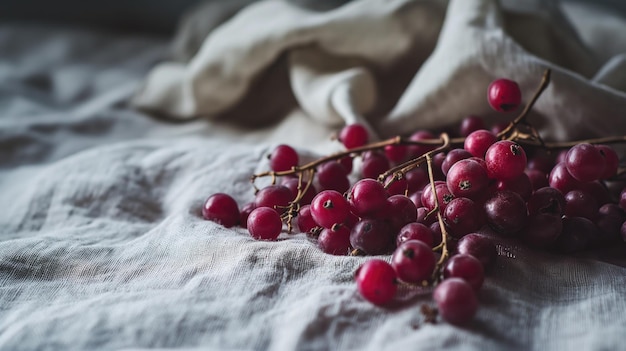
<point x="401" y="169"/>
<point x="444" y="233"/>
<point x="510" y="129"/>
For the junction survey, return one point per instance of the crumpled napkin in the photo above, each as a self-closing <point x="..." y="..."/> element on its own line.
<point x="395" y="66"/>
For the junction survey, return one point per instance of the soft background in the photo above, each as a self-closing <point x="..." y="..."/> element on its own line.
<point x="101" y="242"/>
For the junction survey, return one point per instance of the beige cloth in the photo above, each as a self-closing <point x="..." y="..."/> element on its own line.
<point x="401" y="65"/>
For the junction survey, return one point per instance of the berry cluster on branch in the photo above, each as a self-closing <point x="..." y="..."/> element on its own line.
<point x="423" y="199"/>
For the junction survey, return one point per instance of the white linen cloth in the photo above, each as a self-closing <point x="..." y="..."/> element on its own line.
<point x="400" y="64"/>
<point x="102" y="246"/>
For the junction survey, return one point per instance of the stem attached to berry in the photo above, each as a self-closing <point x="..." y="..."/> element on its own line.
<point x="444" y="233"/>
<point x="509" y="131"/>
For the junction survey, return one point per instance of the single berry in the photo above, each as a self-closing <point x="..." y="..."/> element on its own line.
<point x="328" y="208"/>
<point x="466" y="267"/>
<point x="456" y="301"/>
<point x="506" y="212"/>
<point x="505" y="160"/>
<point x="611" y="161"/>
<point x="580" y="204"/>
<point x="463" y="216"/>
<point x="546" y="200"/>
<point x="413" y="261"/>
<point x="376" y="281"/>
<point x="283" y="158"/>
<point x="353" y="135"/>
<point x="561" y="179"/>
<point x="415" y="231"/>
<point x="479" y="246"/>
<point x="367" y="197"/>
<point x="373" y="237"/>
<point x="374" y="164"/>
<point x="221" y="208"/>
<point x="274" y="196"/>
<point x="264" y="223"/>
<point x="479" y="141"/>
<point x="471" y="124"/>
<point x="577" y="234"/>
<point x="332" y="176"/>
<point x="335" y="241"/>
<point x="504" y="95"/>
<point x="305" y="220"/>
<point x="244" y="213"/>
<point x="396" y="153"/>
<point x="444" y="196"/>
<point x="467" y="178"/>
<point x="585" y="162"/>
<point x="400" y="210"/>
<point x="453" y="157"/>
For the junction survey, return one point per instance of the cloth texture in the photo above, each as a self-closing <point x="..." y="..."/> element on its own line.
<point x="102" y="244"/>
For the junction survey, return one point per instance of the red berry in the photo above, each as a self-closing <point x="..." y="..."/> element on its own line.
<point x="221" y="208"/>
<point x="305" y="220"/>
<point x="264" y="223"/>
<point x="328" y="208"/>
<point x="585" y="162"/>
<point x="332" y="176"/>
<point x="353" y="135"/>
<point x="283" y="158"/>
<point x="367" y="197"/>
<point x="479" y="141"/>
<point x="611" y="161"/>
<point x="467" y="178"/>
<point x="413" y="261"/>
<point x="505" y="160"/>
<point x="335" y="241"/>
<point x="245" y="212"/>
<point x="415" y="231"/>
<point x="456" y="301"/>
<point x="466" y="267"/>
<point x="471" y="124"/>
<point x="274" y="196"/>
<point x="504" y="95"/>
<point x="376" y="281"/>
<point x="374" y="163"/>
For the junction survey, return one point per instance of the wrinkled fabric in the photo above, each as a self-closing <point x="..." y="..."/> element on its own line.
<point x="102" y="244"/>
<point x="396" y="66"/>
